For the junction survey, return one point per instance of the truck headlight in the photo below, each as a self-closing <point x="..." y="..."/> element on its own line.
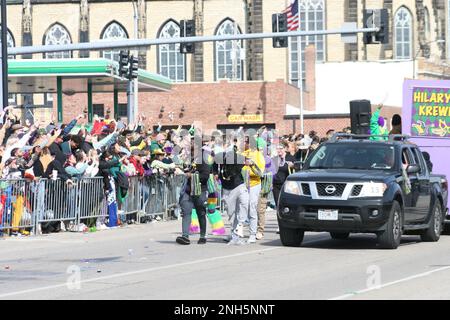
<point x="373" y="189"/>
<point x="292" y="187"/>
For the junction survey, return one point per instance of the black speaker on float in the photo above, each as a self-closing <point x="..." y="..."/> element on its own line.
<point x="360" y="113"/>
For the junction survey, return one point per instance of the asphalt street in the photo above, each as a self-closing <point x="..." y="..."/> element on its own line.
<point x="144" y="262"/>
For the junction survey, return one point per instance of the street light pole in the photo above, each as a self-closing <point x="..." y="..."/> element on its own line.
<point x="133" y="43"/>
<point x="300" y="72"/>
<point x="136" y="54"/>
<point x="4" y="56"/>
<point x="417" y="54"/>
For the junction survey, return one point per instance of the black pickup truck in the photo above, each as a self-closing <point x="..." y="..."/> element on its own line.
<point x="352" y="184"/>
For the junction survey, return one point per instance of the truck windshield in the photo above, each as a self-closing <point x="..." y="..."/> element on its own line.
<point x="353" y="156"/>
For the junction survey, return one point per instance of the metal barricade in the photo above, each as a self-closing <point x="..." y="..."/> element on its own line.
<point x="24" y="205"/>
<point x="153" y="196"/>
<point x="57" y="201"/>
<point x="133" y="198"/>
<point x="91" y="200"/>
<point x="174" y="184"/>
<point x="16" y="206"/>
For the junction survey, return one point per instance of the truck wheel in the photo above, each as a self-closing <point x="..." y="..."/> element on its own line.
<point x="433" y="233"/>
<point x="340" y="235"/>
<point x="291" y="237"/>
<point x="390" y="238"/>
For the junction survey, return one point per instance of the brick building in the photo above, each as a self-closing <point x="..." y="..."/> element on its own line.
<point x="229" y="83"/>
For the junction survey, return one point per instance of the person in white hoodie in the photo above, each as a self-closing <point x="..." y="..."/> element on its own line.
<point x="18" y="140"/>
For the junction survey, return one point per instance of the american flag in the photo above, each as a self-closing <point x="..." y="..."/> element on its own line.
<point x="292" y="16"/>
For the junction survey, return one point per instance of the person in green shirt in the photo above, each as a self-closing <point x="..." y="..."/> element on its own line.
<point x="377" y="129"/>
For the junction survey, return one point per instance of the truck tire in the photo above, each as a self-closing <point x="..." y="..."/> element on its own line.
<point x="391" y="237"/>
<point x="291" y="237"/>
<point x="340" y="235"/>
<point x="433" y="233"/>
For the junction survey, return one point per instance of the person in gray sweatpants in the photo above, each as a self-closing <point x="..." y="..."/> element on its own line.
<point x="228" y="167"/>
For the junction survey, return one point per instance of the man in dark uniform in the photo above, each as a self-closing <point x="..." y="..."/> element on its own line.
<point x="194" y="197"/>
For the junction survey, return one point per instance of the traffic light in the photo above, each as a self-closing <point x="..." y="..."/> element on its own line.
<point x="124" y="59"/>
<point x="376" y="18"/>
<point x="383" y="35"/>
<point x="134" y="67"/>
<point x="279" y="24"/>
<point x="187" y="29"/>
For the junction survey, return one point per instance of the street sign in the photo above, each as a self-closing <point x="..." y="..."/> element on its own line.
<point x="245" y="118"/>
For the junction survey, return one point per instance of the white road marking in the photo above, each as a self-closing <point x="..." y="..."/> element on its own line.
<point x="125" y="274"/>
<point x="420" y="275"/>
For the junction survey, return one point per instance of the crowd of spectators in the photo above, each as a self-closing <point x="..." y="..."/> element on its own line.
<point x="113" y="150"/>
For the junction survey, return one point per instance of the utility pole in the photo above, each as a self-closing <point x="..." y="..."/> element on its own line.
<point x="135" y="85"/>
<point x="132" y="84"/>
<point x="4" y="56"/>
<point x="300" y="71"/>
<point x="130" y="102"/>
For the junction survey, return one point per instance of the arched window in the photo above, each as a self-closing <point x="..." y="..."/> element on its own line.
<point x="427" y="23"/>
<point x="113" y="31"/>
<point x="171" y="61"/>
<point x="57" y="35"/>
<point x="403" y="33"/>
<point x="228" y="58"/>
<point x="12" y="99"/>
<point x="312" y="18"/>
<point x="9" y="41"/>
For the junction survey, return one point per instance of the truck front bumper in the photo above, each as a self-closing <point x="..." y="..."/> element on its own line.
<point x="354" y="215"/>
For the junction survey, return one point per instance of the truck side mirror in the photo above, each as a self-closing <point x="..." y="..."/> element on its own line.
<point x="413" y="169"/>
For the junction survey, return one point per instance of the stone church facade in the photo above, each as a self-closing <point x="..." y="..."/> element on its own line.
<point x="232" y="77"/>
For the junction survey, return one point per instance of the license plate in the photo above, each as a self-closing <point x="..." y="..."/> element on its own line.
<point x="329" y="215"/>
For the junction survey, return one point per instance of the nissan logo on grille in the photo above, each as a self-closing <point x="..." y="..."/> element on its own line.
<point x="330" y="189"/>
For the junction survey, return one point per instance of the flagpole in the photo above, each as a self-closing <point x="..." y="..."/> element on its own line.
<point x="300" y="70"/>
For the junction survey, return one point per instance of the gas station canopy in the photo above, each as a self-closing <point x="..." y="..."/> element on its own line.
<point x="76" y="76"/>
